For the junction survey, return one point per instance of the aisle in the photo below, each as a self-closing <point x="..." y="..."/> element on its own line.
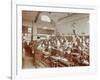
<point x="28" y="62"/>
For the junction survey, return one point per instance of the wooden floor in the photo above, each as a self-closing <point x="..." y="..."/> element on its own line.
<point x="28" y="63"/>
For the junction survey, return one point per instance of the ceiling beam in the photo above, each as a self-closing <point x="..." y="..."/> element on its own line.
<point x="37" y="16"/>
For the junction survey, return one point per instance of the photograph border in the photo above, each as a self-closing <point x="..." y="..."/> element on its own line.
<point x="14" y="67"/>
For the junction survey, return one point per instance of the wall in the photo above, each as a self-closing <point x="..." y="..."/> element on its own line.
<point x="81" y="26"/>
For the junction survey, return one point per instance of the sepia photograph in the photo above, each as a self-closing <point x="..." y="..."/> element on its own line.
<point x="55" y="39"/>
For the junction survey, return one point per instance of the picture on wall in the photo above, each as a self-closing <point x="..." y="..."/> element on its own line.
<point x="55" y="39"/>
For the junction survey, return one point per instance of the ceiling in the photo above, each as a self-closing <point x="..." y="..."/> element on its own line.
<point x="57" y="17"/>
<point x="29" y="15"/>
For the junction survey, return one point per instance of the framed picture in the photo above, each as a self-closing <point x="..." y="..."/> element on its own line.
<point x="53" y="41"/>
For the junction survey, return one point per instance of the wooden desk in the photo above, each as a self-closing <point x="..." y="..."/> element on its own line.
<point x="61" y="61"/>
